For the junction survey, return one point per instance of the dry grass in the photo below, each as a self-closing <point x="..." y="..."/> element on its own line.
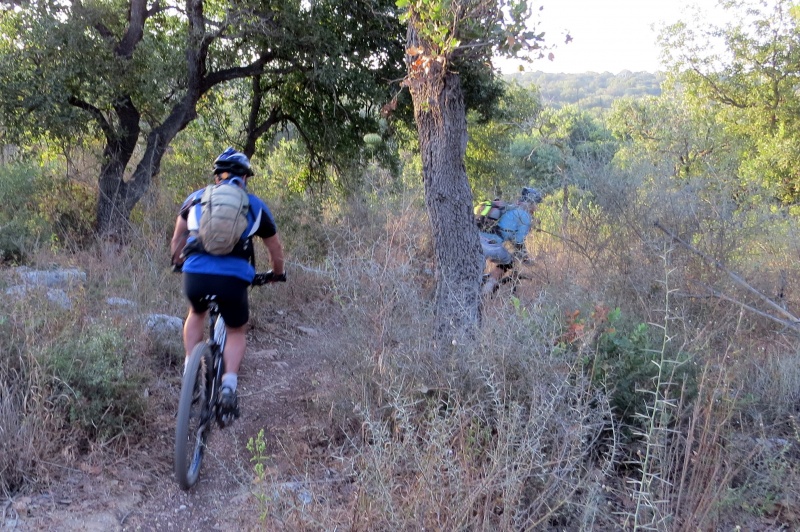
<point x="48" y="353"/>
<point x="28" y="405"/>
<point x="512" y="432"/>
<point x="508" y="434"/>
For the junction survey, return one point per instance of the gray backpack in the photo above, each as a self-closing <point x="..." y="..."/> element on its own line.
<point x="223" y="218"/>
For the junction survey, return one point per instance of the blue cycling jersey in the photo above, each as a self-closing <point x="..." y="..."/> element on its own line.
<point x="514" y="225"/>
<point x="259" y="223"/>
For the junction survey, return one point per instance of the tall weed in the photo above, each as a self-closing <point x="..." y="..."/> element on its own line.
<point x="31" y="432"/>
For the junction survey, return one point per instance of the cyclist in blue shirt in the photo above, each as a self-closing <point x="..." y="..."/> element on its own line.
<point x="224" y="278"/>
<point x="513" y="226"/>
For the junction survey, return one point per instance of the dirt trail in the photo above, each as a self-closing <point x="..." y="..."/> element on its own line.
<point x="280" y="391"/>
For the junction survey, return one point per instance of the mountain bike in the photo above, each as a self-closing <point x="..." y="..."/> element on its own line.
<point x="512" y="278"/>
<point x="199" y="404"/>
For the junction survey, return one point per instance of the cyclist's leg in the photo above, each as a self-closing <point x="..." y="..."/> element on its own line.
<point x="193" y="327"/>
<point x="193" y="330"/>
<point x="235" y="345"/>
<point x="232" y="355"/>
<point x="235" y="310"/>
<point x="499" y="259"/>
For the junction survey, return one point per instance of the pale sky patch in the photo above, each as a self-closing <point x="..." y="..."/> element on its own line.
<point x="607" y="35"/>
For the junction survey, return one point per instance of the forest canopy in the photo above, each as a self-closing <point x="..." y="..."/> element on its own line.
<point x="590" y="90"/>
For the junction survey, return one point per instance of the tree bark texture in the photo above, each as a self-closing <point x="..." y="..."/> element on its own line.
<point x="440" y="115"/>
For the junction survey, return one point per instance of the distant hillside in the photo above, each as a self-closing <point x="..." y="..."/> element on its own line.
<point x="590" y="90"/>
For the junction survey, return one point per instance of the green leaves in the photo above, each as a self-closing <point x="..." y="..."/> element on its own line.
<point x="472" y="28"/>
<point x="745" y="74"/>
<point x="101" y="70"/>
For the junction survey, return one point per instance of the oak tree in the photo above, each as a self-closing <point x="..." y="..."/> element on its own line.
<point x="132" y="72"/>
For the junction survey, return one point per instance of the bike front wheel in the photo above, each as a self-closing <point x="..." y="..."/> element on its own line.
<point x="195" y="411"/>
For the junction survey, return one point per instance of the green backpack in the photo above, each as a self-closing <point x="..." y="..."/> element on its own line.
<point x="487" y="213"/>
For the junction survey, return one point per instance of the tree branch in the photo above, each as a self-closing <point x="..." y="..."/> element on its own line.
<point x="716" y="89"/>
<point x="254" y="129"/>
<point x="137" y="15"/>
<point x="793" y="321"/>
<point x="96" y="113"/>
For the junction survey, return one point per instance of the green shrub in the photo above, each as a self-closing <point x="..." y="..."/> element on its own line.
<point x="103" y="400"/>
<point x="627" y="363"/>
<point x="21" y="224"/>
<point x="70" y="208"/>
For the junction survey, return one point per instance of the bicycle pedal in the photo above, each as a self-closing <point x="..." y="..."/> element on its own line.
<point x="228" y="408"/>
<point x="226" y="420"/>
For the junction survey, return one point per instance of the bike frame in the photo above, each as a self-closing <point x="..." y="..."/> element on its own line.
<point x="198" y="406"/>
<point x="217" y="334"/>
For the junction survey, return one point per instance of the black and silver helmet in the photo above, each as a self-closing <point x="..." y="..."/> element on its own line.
<point x="234" y="162"/>
<point x="531" y="195"/>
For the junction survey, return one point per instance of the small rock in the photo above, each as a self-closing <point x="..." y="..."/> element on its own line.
<point x="308" y="330"/>
<point x="62" y="278"/>
<point x="17" y="290"/>
<point x="164" y="335"/>
<point x="163" y="323"/>
<point x="119" y="302"/>
<point x="305" y="496"/>
<point x="56" y="295"/>
<point x="60" y="298"/>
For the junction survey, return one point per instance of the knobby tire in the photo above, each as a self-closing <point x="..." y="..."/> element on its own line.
<point x="194" y="418"/>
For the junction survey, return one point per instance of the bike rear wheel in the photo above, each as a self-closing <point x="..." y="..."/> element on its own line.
<point x="195" y="412"/>
<point x="514" y="281"/>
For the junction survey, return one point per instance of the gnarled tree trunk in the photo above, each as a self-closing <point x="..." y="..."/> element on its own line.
<point x="440" y="115"/>
<point x="118" y="197"/>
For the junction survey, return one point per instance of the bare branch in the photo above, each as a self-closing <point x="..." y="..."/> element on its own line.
<point x="96" y="113"/>
<point x="793" y="321"/>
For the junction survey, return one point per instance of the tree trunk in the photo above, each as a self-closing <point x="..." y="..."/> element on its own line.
<point x="118" y="197"/>
<point x="440" y="115"/>
<point x="112" y="217"/>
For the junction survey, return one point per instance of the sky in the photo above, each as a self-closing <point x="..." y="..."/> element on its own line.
<point x="607" y="35"/>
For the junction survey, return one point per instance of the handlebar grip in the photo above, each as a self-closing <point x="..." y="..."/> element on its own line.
<point x="268" y="277"/>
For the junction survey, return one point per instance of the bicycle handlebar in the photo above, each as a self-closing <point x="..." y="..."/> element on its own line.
<point x="268" y="277"/>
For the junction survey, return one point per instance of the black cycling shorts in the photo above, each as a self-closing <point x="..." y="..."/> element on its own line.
<point x="230" y="293"/>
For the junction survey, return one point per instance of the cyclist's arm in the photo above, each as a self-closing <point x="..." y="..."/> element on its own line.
<point x="275" y="249"/>
<point x="179" y="237"/>
<point x="523" y="228"/>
